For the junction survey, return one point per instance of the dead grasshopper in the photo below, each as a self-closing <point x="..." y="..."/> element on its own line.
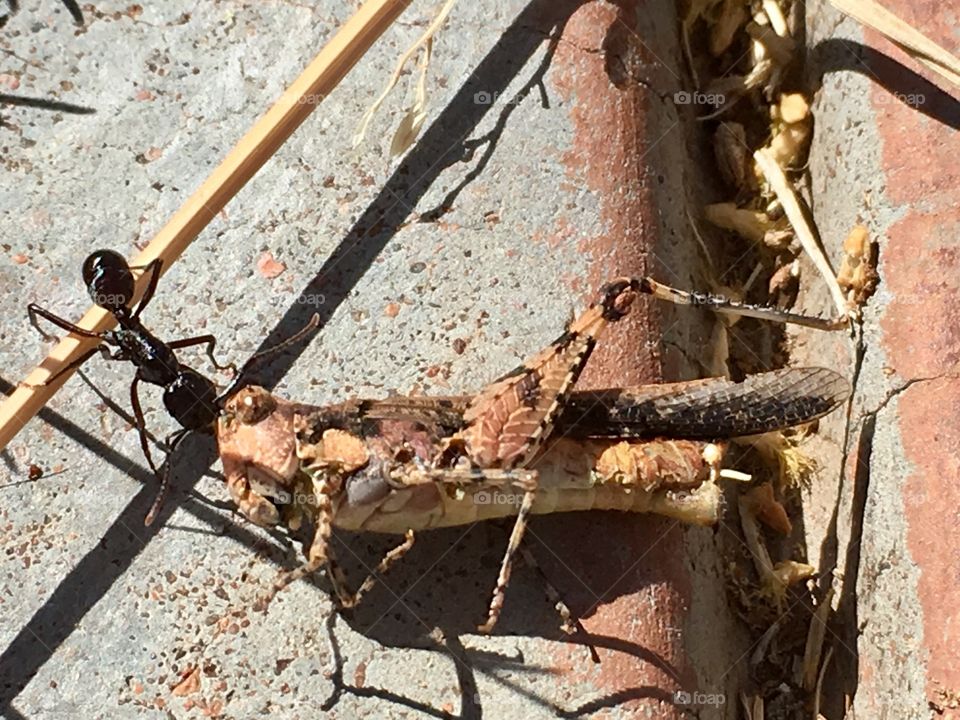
<point x="406" y="464"/>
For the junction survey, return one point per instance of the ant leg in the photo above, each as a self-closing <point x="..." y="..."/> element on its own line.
<point x="74" y="11"/>
<point x="153" y="268"/>
<point x="33" y="310"/>
<point x="211" y="343"/>
<point x="142" y="425"/>
<point x="171" y="442"/>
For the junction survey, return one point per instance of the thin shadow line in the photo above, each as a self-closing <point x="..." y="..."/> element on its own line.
<point x="86" y="582"/>
<point x="71" y="5"/>
<point x="96" y="572"/>
<point x="45" y="104"/>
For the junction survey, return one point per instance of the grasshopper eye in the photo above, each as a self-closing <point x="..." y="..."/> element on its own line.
<point x="108" y="279"/>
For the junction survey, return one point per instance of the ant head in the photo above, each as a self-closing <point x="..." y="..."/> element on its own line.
<point x="108" y="279"/>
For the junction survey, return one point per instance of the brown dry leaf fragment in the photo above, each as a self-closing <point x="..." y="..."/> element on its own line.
<point x="733" y="156"/>
<point x="768" y="509"/>
<point x="784" y="279"/>
<point x="731" y="18"/>
<point x="269" y="267"/>
<point x="189" y="684"/>
<point x="779" y="49"/>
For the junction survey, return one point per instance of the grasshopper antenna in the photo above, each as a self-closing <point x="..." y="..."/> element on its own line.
<point x="260" y="356"/>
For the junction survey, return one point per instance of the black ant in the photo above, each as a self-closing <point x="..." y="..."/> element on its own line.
<point x="192" y="399"/>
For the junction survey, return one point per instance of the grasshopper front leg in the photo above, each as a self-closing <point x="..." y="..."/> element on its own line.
<point x="509" y="422"/>
<point x="326" y="487"/>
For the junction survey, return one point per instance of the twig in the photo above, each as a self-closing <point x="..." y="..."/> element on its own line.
<point x="806" y="234"/>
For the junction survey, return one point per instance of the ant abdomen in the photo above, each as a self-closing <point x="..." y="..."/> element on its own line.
<point x="108" y="279"/>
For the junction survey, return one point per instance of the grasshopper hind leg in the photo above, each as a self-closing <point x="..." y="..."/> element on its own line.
<point x="521" y="478"/>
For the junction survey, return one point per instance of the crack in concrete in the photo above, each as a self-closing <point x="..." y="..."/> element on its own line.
<point x="891" y="394"/>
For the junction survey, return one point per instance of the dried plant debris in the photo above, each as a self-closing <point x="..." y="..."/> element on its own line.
<point x="858" y="276"/>
<point x="761" y="146"/>
<point x="413" y="119"/>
